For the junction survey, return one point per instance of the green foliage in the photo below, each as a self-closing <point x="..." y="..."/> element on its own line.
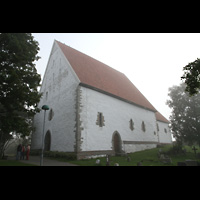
<point x="185" y="117"/>
<point x="19" y="83"/>
<point x="192" y="77"/>
<point x="147" y="157"/>
<point x="55" y="154"/>
<point x="176" y="150"/>
<point x="60" y="155"/>
<point x="14" y="163"/>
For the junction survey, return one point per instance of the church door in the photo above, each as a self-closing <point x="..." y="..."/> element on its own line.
<point x="117" y="144"/>
<point x="47" y="141"/>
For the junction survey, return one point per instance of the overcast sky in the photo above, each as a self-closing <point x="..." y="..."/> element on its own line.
<point x="153" y="62"/>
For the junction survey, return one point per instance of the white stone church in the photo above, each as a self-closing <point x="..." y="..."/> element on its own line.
<point x="94" y="109"/>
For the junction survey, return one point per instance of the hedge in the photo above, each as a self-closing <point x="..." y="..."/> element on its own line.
<point x="54" y="154"/>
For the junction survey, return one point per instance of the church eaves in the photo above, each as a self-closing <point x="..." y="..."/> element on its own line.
<point x="101" y="77"/>
<point x="161" y="118"/>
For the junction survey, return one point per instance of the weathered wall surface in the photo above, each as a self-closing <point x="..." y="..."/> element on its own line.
<point x="59" y="93"/>
<point x="164" y="133"/>
<point x="117" y="115"/>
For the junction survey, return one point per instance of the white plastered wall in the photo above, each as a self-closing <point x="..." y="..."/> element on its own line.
<point x="117" y="115"/>
<point x="59" y="93"/>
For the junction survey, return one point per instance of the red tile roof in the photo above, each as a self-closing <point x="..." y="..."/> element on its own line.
<point x="104" y="78"/>
<point x="161" y="118"/>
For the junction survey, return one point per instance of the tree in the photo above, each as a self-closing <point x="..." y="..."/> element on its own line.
<point x="185" y="118"/>
<point x="19" y="81"/>
<point x="192" y="77"/>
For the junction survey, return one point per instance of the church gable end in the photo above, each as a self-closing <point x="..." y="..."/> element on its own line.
<point x="59" y="93"/>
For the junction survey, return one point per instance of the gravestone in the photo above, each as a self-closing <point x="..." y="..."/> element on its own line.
<point x="191" y="163"/>
<point x="129" y="159"/>
<point x="107" y="160"/>
<point x="116" y="164"/>
<point x="181" y="164"/>
<point x="166" y="160"/>
<point x="194" y="149"/>
<point x="98" y="162"/>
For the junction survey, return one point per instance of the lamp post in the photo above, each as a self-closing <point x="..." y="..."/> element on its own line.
<point x="45" y="108"/>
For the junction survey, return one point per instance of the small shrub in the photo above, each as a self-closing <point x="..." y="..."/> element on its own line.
<point x="54" y="154"/>
<point x="60" y="155"/>
<point x="35" y="152"/>
<point x="175" y="150"/>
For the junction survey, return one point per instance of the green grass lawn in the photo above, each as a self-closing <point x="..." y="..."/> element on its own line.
<point x="146" y="157"/>
<point x="13" y="163"/>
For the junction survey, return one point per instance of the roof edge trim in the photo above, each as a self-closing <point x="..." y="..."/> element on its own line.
<point x="163" y="121"/>
<point x="71" y="68"/>
<point x="112" y="95"/>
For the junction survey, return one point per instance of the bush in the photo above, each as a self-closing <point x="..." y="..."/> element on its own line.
<point x="62" y="155"/>
<point x="54" y="154"/>
<point x="35" y="152"/>
<point x="176" y="150"/>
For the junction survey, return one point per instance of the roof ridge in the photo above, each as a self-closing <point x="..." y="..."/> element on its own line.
<point x="90" y="57"/>
<point x="97" y="74"/>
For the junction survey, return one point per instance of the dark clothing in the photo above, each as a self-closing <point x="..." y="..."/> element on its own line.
<point x="22" y="153"/>
<point x="19" y="148"/>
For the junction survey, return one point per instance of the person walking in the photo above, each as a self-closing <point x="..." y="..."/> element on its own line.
<point x="27" y="152"/>
<point x="19" y="149"/>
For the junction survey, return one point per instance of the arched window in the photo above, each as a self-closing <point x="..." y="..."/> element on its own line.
<point x="157" y="127"/>
<point x="143" y="126"/>
<point x="131" y="124"/>
<point x="117" y="143"/>
<point x="100" y="119"/>
<point x="51" y="114"/>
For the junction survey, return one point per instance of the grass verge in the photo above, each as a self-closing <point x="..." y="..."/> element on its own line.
<point x="147" y="158"/>
<point x="14" y="163"/>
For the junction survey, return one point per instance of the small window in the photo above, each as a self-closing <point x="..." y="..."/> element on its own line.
<point x="100" y="119"/>
<point x="143" y="126"/>
<point x="157" y="127"/>
<point x="46" y="96"/>
<point x="51" y="113"/>
<point x="165" y="130"/>
<point x="131" y="124"/>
